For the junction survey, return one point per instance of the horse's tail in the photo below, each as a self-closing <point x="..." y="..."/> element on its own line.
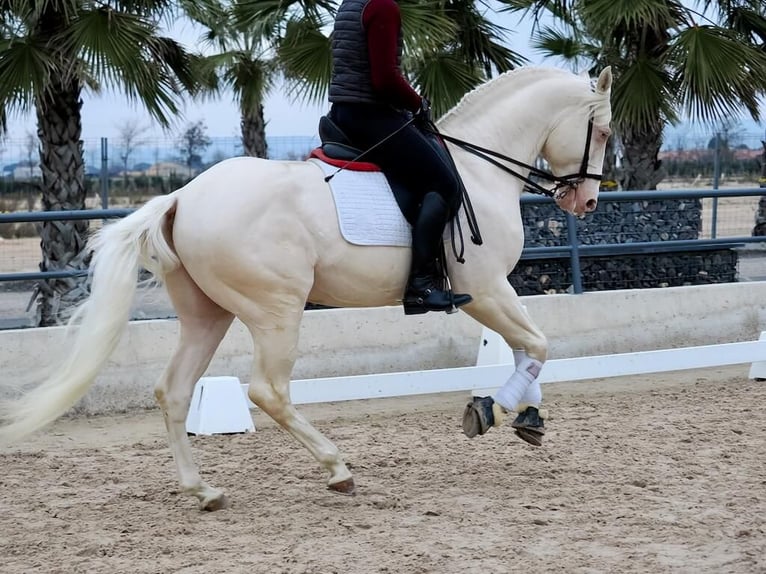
<point x="119" y="251"/>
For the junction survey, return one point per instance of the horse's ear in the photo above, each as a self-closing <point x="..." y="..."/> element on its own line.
<point x="604" y="83"/>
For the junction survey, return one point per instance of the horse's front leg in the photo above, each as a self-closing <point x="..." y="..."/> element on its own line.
<point x="501" y="310"/>
<point x="274" y="357"/>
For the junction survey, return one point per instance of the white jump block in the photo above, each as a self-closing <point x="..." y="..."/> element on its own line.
<point x="758" y="369"/>
<point x="218" y="406"/>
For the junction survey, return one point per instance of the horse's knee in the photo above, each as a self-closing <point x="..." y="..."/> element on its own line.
<point x="537" y="347"/>
<point x="266" y="398"/>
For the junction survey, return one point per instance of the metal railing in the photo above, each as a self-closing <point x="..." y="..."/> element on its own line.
<point x="72" y="215"/>
<point x="574" y="250"/>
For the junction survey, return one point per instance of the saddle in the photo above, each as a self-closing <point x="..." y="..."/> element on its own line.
<point x="337" y="150"/>
<point x="336" y="144"/>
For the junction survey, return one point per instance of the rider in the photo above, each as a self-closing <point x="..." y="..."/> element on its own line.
<point x="371" y="101"/>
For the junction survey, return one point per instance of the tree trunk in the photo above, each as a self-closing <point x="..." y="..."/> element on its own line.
<point x="63" y="188"/>
<point x="254" y="132"/>
<point x="641" y="166"/>
<point x="610" y="175"/>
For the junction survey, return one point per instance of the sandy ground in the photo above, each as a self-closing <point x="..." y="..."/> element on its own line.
<point x="658" y="474"/>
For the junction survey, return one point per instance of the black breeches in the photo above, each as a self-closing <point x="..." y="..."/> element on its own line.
<point x="411" y="157"/>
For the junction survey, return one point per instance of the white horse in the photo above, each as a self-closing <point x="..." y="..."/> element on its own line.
<point x="257" y="239"/>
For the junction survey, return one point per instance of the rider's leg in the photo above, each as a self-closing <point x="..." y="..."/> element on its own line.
<point x="424" y="292"/>
<point x="413" y="158"/>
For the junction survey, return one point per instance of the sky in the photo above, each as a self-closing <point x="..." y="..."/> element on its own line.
<point x="104" y="114"/>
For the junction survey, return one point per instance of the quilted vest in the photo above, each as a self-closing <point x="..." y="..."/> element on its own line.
<point x="351" y="81"/>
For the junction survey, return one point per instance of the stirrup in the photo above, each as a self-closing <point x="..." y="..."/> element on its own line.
<point x="416" y="304"/>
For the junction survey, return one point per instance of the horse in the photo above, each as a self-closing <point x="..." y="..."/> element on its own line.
<point x="257" y="239"/>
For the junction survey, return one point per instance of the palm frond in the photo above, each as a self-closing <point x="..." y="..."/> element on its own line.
<point x="261" y="18"/>
<point x="643" y="94"/>
<point x="562" y="10"/>
<point x="603" y="17"/>
<point x="425" y="26"/>
<point x="444" y="79"/>
<point x="305" y="59"/>
<point x="481" y="41"/>
<point x="570" y="47"/>
<point x="26" y="65"/>
<point x="123" y="51"/>
<point x="107" y="41"/>
<point x="748" y="22"/>
<point x="718" y="74"/>
<point x="250" y="79"/>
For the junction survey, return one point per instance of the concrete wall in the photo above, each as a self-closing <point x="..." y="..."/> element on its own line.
<point x="359" y="341"/>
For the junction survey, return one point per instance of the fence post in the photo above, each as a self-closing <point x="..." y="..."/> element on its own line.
<point x="716" y="183"/>
<point x="574" y="254"/>
<point x="104" y="173"/>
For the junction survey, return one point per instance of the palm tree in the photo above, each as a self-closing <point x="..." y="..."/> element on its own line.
<point x="470" y="52"/>
<point x="669" y="61"/>
<point x="50" y="52"/>
<point x="450" y="47"/>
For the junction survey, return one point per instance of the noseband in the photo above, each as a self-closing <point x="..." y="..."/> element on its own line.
<point x="563" y="183"/>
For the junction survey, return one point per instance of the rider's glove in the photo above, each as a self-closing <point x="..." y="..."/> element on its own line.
<point x="423" y="115"/>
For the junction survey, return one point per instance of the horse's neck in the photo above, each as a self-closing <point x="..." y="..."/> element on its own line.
<point x="511" y="115"/>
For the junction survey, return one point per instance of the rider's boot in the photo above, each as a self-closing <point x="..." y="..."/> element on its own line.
<point x="423" y="293"/>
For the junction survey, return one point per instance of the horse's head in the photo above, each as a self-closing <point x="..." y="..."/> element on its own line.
<point x="575" y="147"/>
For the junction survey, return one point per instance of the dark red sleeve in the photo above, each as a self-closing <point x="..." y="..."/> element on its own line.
<point x="382" y="22"/>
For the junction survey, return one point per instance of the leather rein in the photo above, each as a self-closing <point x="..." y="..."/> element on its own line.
<point x="563" y="183"/>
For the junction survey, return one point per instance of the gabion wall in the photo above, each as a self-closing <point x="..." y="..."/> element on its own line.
<point x="622" y="222"/>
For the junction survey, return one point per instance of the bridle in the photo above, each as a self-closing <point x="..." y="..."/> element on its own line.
<point x="563" y="183"/>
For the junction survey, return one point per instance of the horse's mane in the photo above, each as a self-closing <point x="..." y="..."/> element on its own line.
<point x="597" y="103"/>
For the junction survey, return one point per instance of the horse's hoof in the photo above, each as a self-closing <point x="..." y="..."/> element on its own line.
<point x="531" y="437"/>
<point x="478" y="416"/>
<point x="346" y="487"/>
<point x="530" y="425"/>
<point x="219" y="503"/>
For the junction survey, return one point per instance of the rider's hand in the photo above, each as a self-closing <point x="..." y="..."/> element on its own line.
<point x="423" y="115"/>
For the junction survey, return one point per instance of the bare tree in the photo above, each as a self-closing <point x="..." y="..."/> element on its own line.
<point x="131" y="134"/>
<point x="192" y="144"/>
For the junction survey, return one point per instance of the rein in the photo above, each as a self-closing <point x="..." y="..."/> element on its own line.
<point x="563" y="183"/>
<point x="570" y="181"/>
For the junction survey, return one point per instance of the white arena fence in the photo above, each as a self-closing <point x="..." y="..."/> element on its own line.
<point x="348" y="354"/>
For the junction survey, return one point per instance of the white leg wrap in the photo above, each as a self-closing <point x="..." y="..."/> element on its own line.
<point x="533" y="395"/>
<point x="510" y="395"/>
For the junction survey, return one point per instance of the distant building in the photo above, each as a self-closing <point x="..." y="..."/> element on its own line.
<point x="164" y="169"/>
<point x="22" y="171"/>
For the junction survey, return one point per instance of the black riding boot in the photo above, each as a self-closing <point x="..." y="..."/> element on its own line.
<point x="423" y="293"/>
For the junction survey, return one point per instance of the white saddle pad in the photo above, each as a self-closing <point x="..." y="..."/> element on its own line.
<point x="367" y="210"/>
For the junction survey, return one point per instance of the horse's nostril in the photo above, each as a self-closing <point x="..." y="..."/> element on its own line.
<point x="591" y="204"/>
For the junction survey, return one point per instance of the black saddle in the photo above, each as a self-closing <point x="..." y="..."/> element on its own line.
<point x="335" y="143"/>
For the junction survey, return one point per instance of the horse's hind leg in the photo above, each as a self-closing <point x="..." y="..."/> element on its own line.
<point x="274" y="356"/>
<point x="502" y="312"/>
<point x="202" y="326"/>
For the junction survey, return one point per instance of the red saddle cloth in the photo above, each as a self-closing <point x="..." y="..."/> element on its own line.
<point x="319" y="154"/>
